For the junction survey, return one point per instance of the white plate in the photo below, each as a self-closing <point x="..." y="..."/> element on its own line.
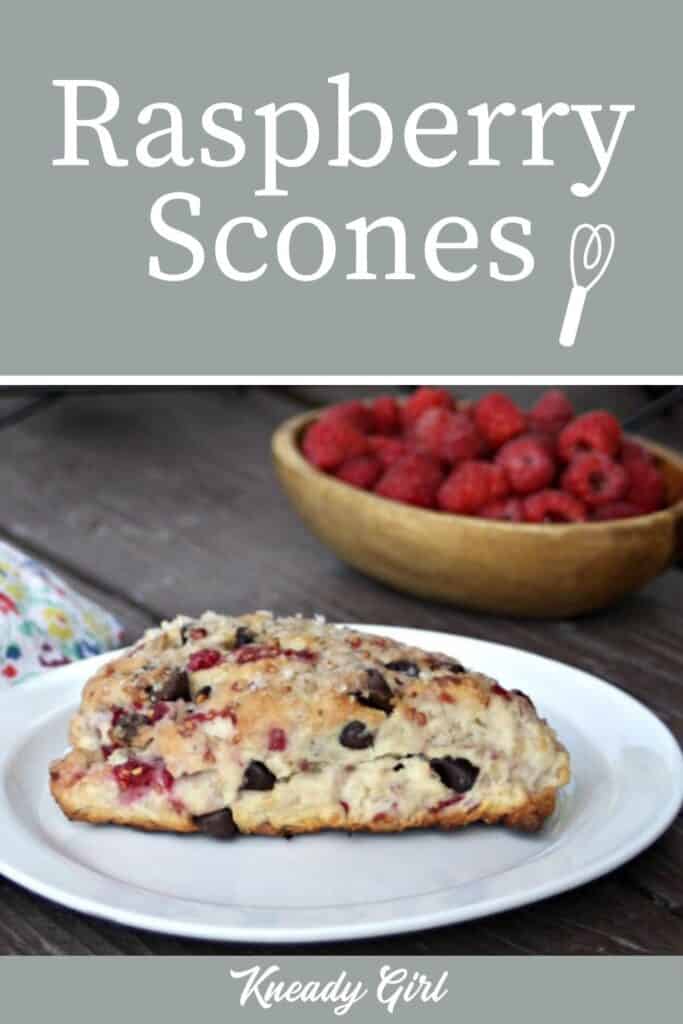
<point x="627" y="788"/>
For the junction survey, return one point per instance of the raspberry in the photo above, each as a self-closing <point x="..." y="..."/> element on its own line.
<point x="616" y="510"/>
<point x="386" y="414"/>
<point x="414" y="479"/>
<point x="422" y="399"/>
<point x="355" y="413"/>
<point x="499" y="486"/>
<point x="277" y="739"/>
<point x="632" y="451"/>
<point x="646" y="487"/>
<point x="135" y="776"/>
<point x="387" y="449"/>
<point x="256" y="652"/>
<point x="329" y="442"/>
<point x="545" y="438"/>
<point x="160" y="710"/>
<point x="116" y="716"/>
<point x="554" y="507"/>
<point x="498" y="418"/>
<point x="595" y="478"/>
<point x="527" y="464"/>
<point x="451" y="436"/>
<point x="363" y="471"/>
<point x="508" y="509"/>
<point x="591" y="432"/>
<point x="470" y="487"/>
<point x="133" y="773"/>
<point x="207" y="657"/>
<point x="552" y="412"/>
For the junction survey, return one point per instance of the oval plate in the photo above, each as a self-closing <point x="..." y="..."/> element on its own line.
<point x="627" y="787"/>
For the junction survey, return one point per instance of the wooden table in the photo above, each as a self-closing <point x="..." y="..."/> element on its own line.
<point x="162" y="501"/>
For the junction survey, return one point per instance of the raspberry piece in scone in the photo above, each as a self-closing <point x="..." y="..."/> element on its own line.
<point x="206" y="657"/>
<point x="301" y="726"/>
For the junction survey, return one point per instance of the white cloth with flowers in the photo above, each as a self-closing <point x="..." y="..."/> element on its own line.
<point x="44" y="622"/>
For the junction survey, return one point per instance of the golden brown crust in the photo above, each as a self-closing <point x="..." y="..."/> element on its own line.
<point x="80" y="797"/>
<point x="307" y="683"/>
<point x="129" y="816"/>
<point x="529" y="817"/>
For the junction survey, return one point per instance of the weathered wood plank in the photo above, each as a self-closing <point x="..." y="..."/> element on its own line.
<point x="657" y="872"/>
<point x="198" y="480"/>
<point x="595" y="919"/>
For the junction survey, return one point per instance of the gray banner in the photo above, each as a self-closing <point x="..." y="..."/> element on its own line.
<point x="78" y="297"/>
<point x="474" y="989"/>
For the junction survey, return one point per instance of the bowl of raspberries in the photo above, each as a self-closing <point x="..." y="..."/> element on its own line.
<point x="538" y="512"/>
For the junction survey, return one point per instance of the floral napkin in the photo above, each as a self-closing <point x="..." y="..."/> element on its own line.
<point x="43" y="621"/>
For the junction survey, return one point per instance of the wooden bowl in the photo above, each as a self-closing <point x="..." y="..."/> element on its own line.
<point x="544" y="571"/>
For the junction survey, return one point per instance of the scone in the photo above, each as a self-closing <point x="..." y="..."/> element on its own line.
<point x="257" y="724"/>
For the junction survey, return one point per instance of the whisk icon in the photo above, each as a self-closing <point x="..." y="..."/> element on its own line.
<point x="596" y="244"/>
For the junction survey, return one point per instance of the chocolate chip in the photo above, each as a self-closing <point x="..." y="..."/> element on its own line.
<point x="257" y="776"/>
<point x="408" y="668"/>
<point x="455" y="772"/>
<point x="376" y="692"/>
<point x="128" y="724"/>
<point x="441" y="665"/>
<point x="356" y="736"/>
<point x="176" y="686"/>
<point x="219" y="824"/>
<point x="203" y="695"/>
<point x="399" y="767"/>
<point x="244" y="636"/>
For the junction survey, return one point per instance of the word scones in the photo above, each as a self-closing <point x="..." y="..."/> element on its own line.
<point x="280" y="139"/>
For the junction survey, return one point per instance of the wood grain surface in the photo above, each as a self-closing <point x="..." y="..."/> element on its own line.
<point x="156" y="502"/>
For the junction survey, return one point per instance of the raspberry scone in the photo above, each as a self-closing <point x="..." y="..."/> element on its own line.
<point x="257" y="724"/>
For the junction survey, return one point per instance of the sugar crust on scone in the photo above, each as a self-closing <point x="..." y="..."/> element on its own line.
<point x="276" y="726"/>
